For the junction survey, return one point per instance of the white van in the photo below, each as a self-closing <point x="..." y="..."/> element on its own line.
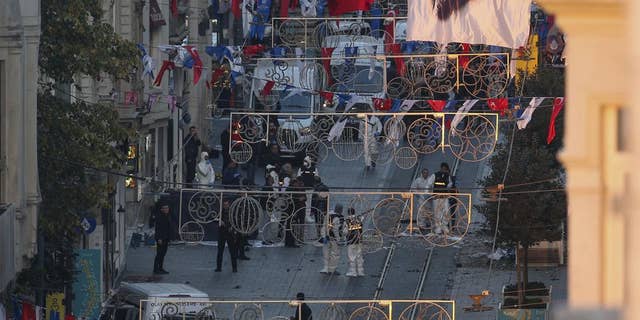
<point x="162" y="301"/>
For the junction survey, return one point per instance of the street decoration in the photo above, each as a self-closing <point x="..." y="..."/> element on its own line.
<point x="436" y="219"/>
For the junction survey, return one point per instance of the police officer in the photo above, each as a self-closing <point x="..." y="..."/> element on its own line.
<point x="353" y="226"/>
<point x="332" y="234"/>
<point x="226" y="237"/>
<point x="442" y="184"/>
<point x="308" y="172"/>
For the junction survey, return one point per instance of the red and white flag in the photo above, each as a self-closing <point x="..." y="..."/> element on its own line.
<point x="503" y="23"/>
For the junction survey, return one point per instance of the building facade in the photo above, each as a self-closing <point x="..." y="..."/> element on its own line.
<point x="19" y="190"/>
<point x="601" y="148"/>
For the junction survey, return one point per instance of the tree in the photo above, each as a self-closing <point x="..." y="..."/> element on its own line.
<point x="528" y="218"/>
<point x="74" y="137"/>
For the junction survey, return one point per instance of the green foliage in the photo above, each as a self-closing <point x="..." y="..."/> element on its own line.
<point x="75" y="41"/>
<point x="528" y="218"/>
<point x="71" y="133"/>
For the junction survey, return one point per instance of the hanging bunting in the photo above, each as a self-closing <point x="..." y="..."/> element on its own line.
<point x="235" y="9"/>
<point x="278" y="52"/>
<point x="266" y="90"/>
<point x="437" y="105"/>
<point x="466" y="106"/>
<point x="28" y="311"/>
<point x="395" y="105"/>
<point x="309" y="8"/>
<point x="528" y="112"/>
<point x="558" y="104"/>
<point x="284" y="8"/>
<point x="166" y="65"/>
<point x="337" y="129"/>
<point x="219" y="53"/>
<point x="498" y="104"/>
<point x="376" y="24"/>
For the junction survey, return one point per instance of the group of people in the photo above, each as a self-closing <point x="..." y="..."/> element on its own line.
<point x="339" y="230"/>
<point x="439" y="182"/>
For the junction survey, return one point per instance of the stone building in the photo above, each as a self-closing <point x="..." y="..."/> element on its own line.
<point x="19" y="190"/>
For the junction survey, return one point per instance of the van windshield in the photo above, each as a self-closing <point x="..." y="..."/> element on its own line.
<point x="364" y="80"/>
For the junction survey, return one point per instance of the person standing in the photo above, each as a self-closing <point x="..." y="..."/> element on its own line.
<point x="205" y="175"/>
<point x="308" y="172"/>
<point x="162" y="237"/>
<point x="226" y="237"/>
<point x="332" y="235"/>
<point x="442" y="184"/>
<point x="369" y="130"/>
<point x="353" y="226"/>
<point x="191" y="144"/>
<point x="421" y="185"/>
<point x="320" y="203"/>
<point x="231" y="175"/>
<point x="303" y="312"/>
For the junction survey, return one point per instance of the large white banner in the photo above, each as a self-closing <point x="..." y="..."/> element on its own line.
<point x="502" y="23"/>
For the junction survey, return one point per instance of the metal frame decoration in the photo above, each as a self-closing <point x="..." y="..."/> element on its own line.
<point x="326" y="309"/>
<point x="440" y="219"/>
<point x="403" y="76"/>
<point x="472" y="139"/>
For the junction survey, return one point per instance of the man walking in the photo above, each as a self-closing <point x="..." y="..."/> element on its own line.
<point x="332" y="234"/>
<point x="226" y="237"/>
<point x="422" y="184"/>
<point x="162" y="236"/>
<point x="353" y="226"/>
<point x="191" y="145"/>
<point x="369" y="130"/>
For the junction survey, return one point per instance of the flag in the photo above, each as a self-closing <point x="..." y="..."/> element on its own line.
<point x="327" y="96"/>
<point x="166" y="65"/>
<point x="219" y="53"/>
<point x="499" y="104"/>
<point x="437" y="105"/>
<point x="28" y="311"/>
<point x="395" y="49"/>
<point x="339" y="7"/>
<point x="252" y="50"/>
<point x="463" y="60"/>
<point x="326" y="63"/>
<point x="147" y="62"/>
<point x="390" y="27"/>
<point x="502" y="23"/>
<point x="171" y="100"/>
<point x="131" y="98"/>
<point x="558" y="104"/>
<point x="466" y="106"/>
<point x="266" y="90"/>
<point x="382" y="104"/>
<point x="235" y="9"/>
<point x="528" y="112"/>
<point x="194" y="63"/>
<point x="174" y="7"/>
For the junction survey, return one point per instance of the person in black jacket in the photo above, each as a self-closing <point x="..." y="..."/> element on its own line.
<point x="224" y="142"/>
<point x="226" y="237"/>
<point x="162" y="236"/>
<point x="303" y="312"/>
<point x="191" y="151"/>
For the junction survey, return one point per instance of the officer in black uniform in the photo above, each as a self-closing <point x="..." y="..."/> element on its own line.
<point x="442" y="184"/>
<point x="226" y="237"/>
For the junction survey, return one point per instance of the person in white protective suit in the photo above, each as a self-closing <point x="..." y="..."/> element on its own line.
<point x="205" y="175"/>
<point x="422" y="185"/>
<point x="353" y="230"/>
<point x="332" y="234"/>
<point x="370" y="129"/>
<point x="441" y="214"/>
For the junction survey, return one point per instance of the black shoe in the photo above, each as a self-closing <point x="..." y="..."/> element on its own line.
<point x="234" y="270"/>
<point x="217" y="270"/>
<point x="244" y="258"/>
<point x="335" y="273"/>
<point x="157" y="272"/>
<point x="163" y="271"/>
<point x="373" y="164"/>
